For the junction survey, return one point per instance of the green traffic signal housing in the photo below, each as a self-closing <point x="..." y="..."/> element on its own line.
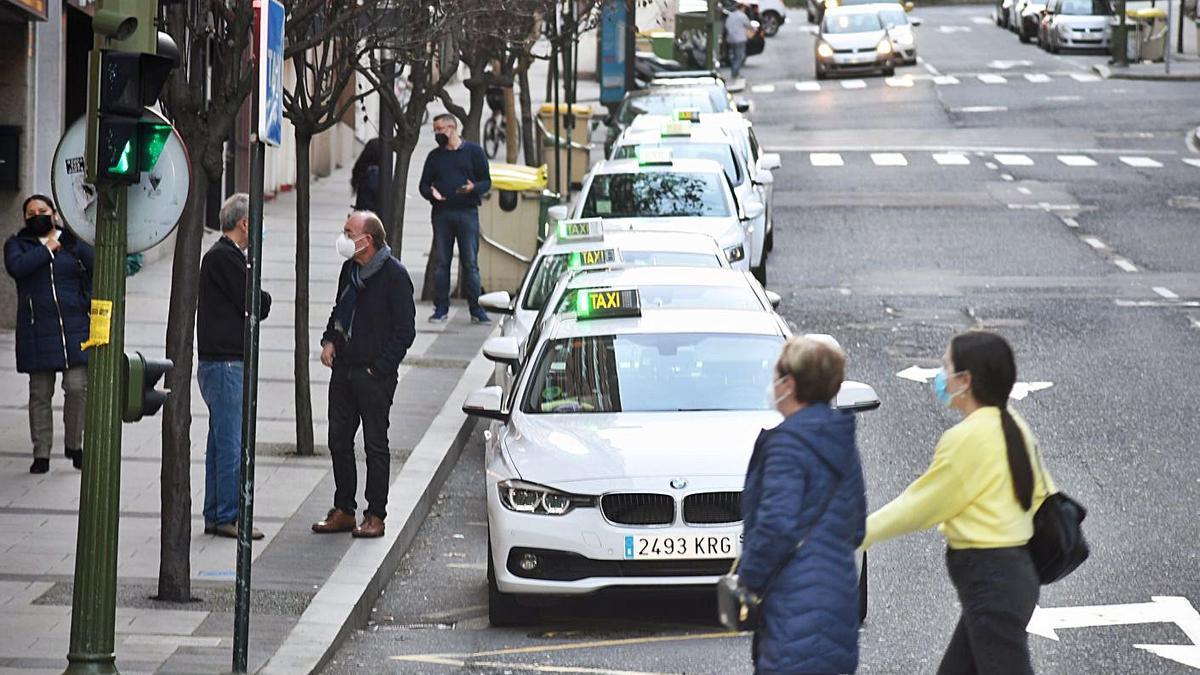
<point x="142" y="398"/>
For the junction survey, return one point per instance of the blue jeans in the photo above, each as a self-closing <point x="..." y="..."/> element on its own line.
<point x="221" y="387"/>
<point x="461" y="225"/>
<point x="737" y="57"/>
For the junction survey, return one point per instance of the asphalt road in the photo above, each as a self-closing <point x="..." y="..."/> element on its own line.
<point x="1043" y="203"/>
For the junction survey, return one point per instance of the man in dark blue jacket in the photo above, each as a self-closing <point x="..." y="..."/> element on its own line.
<point x="370" y="330"/>
<point x="455" y="178"/>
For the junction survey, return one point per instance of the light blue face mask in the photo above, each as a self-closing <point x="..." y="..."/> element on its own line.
<point x="939" y="388"/>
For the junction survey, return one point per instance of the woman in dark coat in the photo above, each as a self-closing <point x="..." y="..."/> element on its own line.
<point x="364" y="177"/>
<point x="53" y="271"/>
<point x="805" y="484"/>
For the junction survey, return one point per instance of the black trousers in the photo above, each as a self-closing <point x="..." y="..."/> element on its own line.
<point x="998" y="589"/>
<point x="357" y="397"/>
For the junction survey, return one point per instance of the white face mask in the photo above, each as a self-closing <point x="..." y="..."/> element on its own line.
<point x="346" y="247"/>
<point x="773" y="400"/>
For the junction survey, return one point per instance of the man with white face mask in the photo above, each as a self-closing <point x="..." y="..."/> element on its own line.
<point x="220" y="315"/>
<point x="370" y="330"/>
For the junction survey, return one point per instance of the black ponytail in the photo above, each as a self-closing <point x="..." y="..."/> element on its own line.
<point x="989" y="359"/>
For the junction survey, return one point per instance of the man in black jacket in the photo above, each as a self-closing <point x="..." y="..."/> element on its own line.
<point x="220" y="318"/>
<point x="370" y="330"/>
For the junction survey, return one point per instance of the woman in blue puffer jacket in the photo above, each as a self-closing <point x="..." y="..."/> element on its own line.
<point x="805" y="484"/>
<point x="53" y="271"/>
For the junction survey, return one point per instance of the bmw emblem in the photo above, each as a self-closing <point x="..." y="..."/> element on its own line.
<point x="679" y="483"/>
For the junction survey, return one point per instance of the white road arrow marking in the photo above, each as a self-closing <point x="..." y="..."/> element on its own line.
<point x="1022" y="389"/>
<point x="1161" y="609"/>
<point x="918" y="374"/>
<point x="1008" y="65"/>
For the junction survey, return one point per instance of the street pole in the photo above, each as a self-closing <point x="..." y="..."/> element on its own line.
<point x="1120" y="38"/>
<point x="710" y="57"/>
<point x="386" y="155"/>
<point x="569" y="73"/>
<point x="1167" y="45"/>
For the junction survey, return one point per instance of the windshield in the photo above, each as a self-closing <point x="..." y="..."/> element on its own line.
<point x="667" y="102"/>
<point x="682" y="297"/>
<point x="893" y="16"/>
<point x="653" y="373"/>
<point x="656" y="194"/>
<point x="1086" y="7"/>
<point x="551" y="267"/>
<point x="720" y="152"/>
<point x="851" y="23"/>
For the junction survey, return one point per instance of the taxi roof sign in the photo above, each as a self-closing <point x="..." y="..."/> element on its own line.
<point x="687" y="115"/>
<point x="647" y="156"/>
<point x="676" y="129"/>
<point x="607" y="303"/>
<point x="593" y="258"/>
<point x="581" y="229"/>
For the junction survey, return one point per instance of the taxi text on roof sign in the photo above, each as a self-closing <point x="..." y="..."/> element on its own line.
<point x="687" y="115"/>
<point x="592" y="258"/>
<point x="607" y="303"/>
<point x="581" y="229"/>
<point x="676" y="129"/>
<point x="654" y="155"/>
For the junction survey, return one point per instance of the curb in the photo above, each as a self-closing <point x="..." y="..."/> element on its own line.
<point x="344" y="601"/>
<point x="1110" y="73"/>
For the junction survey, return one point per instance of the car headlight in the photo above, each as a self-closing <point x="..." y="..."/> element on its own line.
<point x="1063" y="29"/>
<point x="523" y="497"/>
<point x="884" y="47"/>
<point x="735" y="253"/>
<point x="824" y="50"/>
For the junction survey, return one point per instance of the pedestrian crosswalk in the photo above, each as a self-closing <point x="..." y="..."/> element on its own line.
<point x="908" y="81"/>
<point x="992" y="160"/>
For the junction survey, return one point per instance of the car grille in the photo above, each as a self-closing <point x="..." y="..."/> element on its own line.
<point x="712" y="508"/>
<point x="638" y="508"/>
<point x="564" y="566"/>
<point x="862" y="50"/>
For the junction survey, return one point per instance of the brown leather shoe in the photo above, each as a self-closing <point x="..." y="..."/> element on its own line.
<point x="336" y="520"/>
<point x="372" y="527"/>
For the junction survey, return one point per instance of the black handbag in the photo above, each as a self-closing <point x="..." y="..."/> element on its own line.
<point x="738" y="609"/>
<point x="1057" y="546"/>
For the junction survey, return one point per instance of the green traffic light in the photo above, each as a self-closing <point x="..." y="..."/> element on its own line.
<point x="122" y="165"/>
<point x="152" y="138"/>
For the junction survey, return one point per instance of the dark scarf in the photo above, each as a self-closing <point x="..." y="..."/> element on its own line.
<point x="343" y="312"/>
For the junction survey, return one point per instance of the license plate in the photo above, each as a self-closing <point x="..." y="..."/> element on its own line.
<point x="681" y="546"/>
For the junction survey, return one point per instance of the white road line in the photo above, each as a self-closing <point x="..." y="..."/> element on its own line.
<point x="1006" y="177"/>
<point x="825" y="159"/>
<point x="951" y="158"/>
<point x="1125" y="265"/>
<point x="981" y="20"/>
<point x="1085" y="77"/>
<point x="954" y="29"/>
<point x="808" y="86"/>
<point x="1070" y="222"/>
<point x="1037" y="78"/>
<point x="991" y="165"/>
<point x="928" y="66"/>
<point x="1013" y="160"/>
<point x="1077" y="160"/>
<point x="853" y="84"/>
<point x="1095" y="243"/>
<point x="991" y="78"/>
<point x="945" y="79"/>
<point x="1192" y="161"/>
<point x="889" y="159"/>
<point x="900" y="81"/>
<point x="1141" y="162"/>
<point x="1165" y="292"/>
<point x="1024" y="190"/>
<point x="763" y="89"/>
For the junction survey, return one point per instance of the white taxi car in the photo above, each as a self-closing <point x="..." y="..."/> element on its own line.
<point x="709" y="141"/>
<point x="660" y="192"/>
<point x="619" y="457"/>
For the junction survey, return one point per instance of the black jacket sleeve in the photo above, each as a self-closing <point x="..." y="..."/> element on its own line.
<point x="331" y="335"/>
<point x="426" y="179"/>
<point x="483" y="182"/>
<point x="403" y="310"/>
<point x="23" y="260"/>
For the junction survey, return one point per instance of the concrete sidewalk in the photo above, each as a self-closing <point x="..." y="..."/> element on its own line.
<point x="38" y="514"/>
<point x="1185" y="67"/>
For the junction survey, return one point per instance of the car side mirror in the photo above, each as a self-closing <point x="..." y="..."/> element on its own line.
<point x="764" y="178"/>
<point x="558" y="212"/>
<point x="506" y="350"/>
<point x="499" y="302"/>
<point x="753" y="210"/>
<point x="770" y="161"/>
<point x="856" y="397"/>
<point x="610" y="120"/>
<point x="742" y="105"/>
<point x="916" y="21"/>
<point x="775" y="299"/>
<point x="486" y="402"/>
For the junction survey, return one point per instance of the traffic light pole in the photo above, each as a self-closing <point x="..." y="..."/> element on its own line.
<point x="93" y="613"/>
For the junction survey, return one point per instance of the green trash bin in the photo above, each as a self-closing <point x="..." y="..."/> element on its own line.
<point x="662" y="43"/>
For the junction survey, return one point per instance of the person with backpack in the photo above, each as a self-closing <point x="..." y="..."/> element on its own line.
<point x="364" y="177"/>
<point x="982" y="489"/>
<point x="53" y="271"/>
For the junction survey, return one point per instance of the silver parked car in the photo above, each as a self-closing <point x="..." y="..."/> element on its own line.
<point x="853" y="39"/>
<point x="1076" y="24"/>
<point x="901" y="30"/>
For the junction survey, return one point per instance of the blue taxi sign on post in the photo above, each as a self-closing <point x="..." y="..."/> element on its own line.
<point x="270" y="72"/>
<point x="581" y="229"/>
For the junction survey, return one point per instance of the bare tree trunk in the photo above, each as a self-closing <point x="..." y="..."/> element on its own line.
<point x="528" y="137"/>
<point x="304" y="421"/>
<point x="174" y="558"/>
<point x="404" y="155"/>
<point x="510" y="127"/>
<point x="472" y="126"/>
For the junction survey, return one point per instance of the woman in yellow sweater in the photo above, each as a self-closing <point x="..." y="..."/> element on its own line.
<point x="981" y="490"/>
